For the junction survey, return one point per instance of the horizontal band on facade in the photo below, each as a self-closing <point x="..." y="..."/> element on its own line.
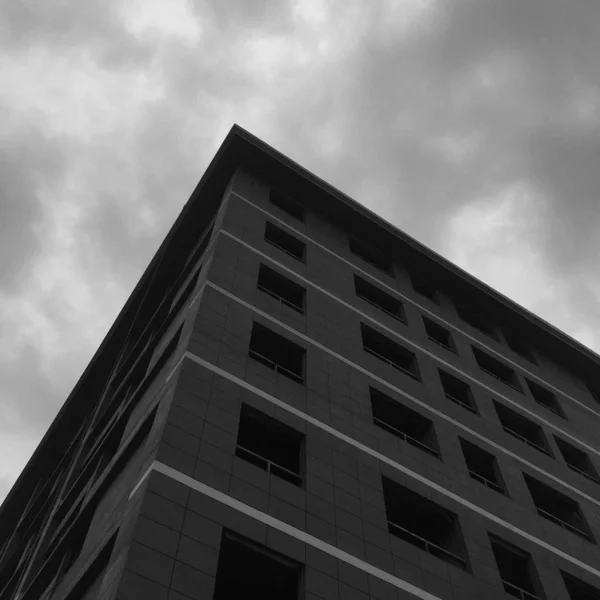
<point x="405" y="394"/>
<point x="285" y="528"/>
<point x="381" y="457"/>
<point x="415" y="303"/>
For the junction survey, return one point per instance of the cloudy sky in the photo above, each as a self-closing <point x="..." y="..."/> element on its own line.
<point x="474" y="125"/>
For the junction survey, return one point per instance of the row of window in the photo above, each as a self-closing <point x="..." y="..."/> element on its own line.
<point x="99" y="440"/>
<point x="294" y="295"/>
<point x="469" y="313"/>
<point x="99" y="451"/>
<point x="288" y="358"/>
<point x="278" y="449"/>
<point x="248" y="569"/>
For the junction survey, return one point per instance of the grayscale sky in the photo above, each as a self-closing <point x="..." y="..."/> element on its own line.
<point x="474" y="125"/>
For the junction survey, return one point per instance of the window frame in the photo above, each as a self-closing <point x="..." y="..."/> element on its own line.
<point x="272" y="364"/>
<point x="271" y="228"/>
<point x="262" y="273"/>
<point x="398" y="315"/>
<point x="286" y="204"/>
<point x="251" y="417"/>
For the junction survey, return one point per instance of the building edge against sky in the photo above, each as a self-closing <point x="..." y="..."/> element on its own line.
<point x="434" y="439"/>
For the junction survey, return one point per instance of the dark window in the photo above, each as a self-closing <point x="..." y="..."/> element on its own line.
<point x="277" y="352"/>
<point x="519" y="346"/>
<point x="95" y="467"/>
<point x="424" y="287"/>
<point x="423" y="523"/>
<point x="390" y="352"/>
<point x="457" y="391"/>
<point x="545" y="398"/>
<point x="403" y="422"/>
<point x="517" y="570"/>
<point x="196" y="253"/>
<point x="557" y="507"/>
<point x="185" y="294"/>
<point x="369" y="254"/>
<point x="595" y="392"/>
<point x="483" y="466"/>
<point x="269" y="444"/>
<point x="377" y="297"/>
<point x="577" y="459"/>
<point x="281" y="288"/>
<point x="287" y="205"/>
<point x="247" y="570"/>
<point x="496" y="369"/>
<point x="476" y="319"/>
<point x="579" y="590"/>
<point x="89" y="584"/>
<point x="167" y="353"/>
<point x="438" y="334"/>
<point x="522" y="428"/>
<point x="285" y="242"/>
<point x="59" y="558"/>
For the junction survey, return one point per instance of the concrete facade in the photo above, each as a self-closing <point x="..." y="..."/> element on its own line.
<point x="175" y="481"/>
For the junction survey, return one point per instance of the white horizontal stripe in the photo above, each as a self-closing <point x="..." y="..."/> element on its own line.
<point x="403" y="393"/>
<point x="287" y="529"/>
<point x="389" y="461"/>
<point x="409" y="342"/>
<point x="421" y="307"/>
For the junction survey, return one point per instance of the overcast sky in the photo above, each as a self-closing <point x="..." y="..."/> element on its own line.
<point x="474" y="125"/>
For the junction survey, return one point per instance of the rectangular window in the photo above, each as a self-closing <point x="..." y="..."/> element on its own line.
<point x="483" y="466"/>
<point x="281" y="288"/>
<point x="558" y="508"/>
<point x="545" y="398"/>
<point x="517" y="570"/>
<point x="579" y="590"/>
<point x="577" y="460"/>
<point x="408" y="425"/>
<point x="438" y="334"/>
<point x="519" y="346"/>
<point x="277" y="352"/>
<point x="378" y="298"/>
<point x="393" y="354"/>
<point x="424" y="287"/>
<point x="522" y="428"/>
<point x="474" y="317"/>
<point x="424" y="524"/>
<point x="374" y="257"/>
<point x="496" y="369"/>
<point x="285" y="242"/>
<point x="250" y="570"/>
<point x="457" y="391"/>
<point x="287" y="205"/>
<point x="270" y="445"/>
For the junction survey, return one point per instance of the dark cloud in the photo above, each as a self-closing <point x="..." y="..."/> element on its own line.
<point x="93" y="27"/>
<point x="264" y="16"/>
<point x="38" y="398"/>
<point x="414" y="122"/>
<point x="566" y="165"/>
<point x="30" y="163"/>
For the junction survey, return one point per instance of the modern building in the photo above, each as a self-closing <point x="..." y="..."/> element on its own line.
<point x="299" y="400"/>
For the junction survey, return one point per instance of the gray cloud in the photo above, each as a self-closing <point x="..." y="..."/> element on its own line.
<point x="30" y="163"/>
<point x="415" y="115"/>
<point x="566" y="165"/>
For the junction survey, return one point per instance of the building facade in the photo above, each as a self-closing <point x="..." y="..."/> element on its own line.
<point x="300" y="401"/>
